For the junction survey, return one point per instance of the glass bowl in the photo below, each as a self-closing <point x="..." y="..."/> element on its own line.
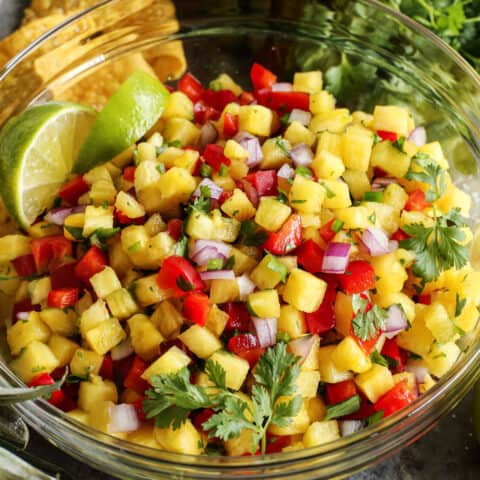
<point x="373" y="55"/>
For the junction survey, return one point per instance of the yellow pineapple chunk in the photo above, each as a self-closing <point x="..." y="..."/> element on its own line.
<point x="390" y="159"/>
<point x="144" y="436"/>
<point x="129" y="206"/>
<point x="358" y="183"/>
<point x="145" y="337"/>
<point x="297" y="133"/>
<point x="24" y="332"/>
<point x="35" y="359"/>
<point x="264" y="304"/>
<point x="327" y="165"/>
<point x="309" y="82"/>
<point x="273" y="155"/>
<point x="105" y="336"/>
<point x="256" y="120"/>
<point x="185" y="440"/>
<point x="63" y="348"/>
<point x="307" y="383"/>
<point x="395" y="196"/>
<point x="271" y="213"/>
<point x="319" y="433"/>
<point x="357" y="143"/>
<point x="304" y="291"/>
<point x="337" y="194"/>
<point x="298" y="424"/>
<point x="292" y="322"/>
<point x="390" y="273"/>
<point x="97" y="217"/>
<point x="322" y="102"/>
<point x="238" y="206"/>
<point x="224" y="290"/>
<point x="170" y="362"/>
<point x="236" y="368"/>
<point x="167" y="319"/>
<point x="93" y="316"/>
<point x="201" y="341"/>
<point x="13" y="246"/>
<point x="105" y="282"/>
<point x="216" y="320"/>
<point x="121" y="303"/>
<point x="181" y="130"/>
<point x="234" y="151"/>
<point x="442" y="357"/>
<point x="392" y="119"/>
<point x="306" y="195"/>
<point x="328" y="371"/>
<point x="438" y="321"/>
<point x="375" y="382"/>
<point x="178" y="105"/>
<point x="94" y="391"/>
<point x="348" y="355"/>
<point x="85" y="362"/>
<point x="60" y="321"/>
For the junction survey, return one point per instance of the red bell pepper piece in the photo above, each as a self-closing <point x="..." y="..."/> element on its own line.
<point x="323" y="319"/>
<point x="106" y="370"/>
<point x="24" y="265"/>
<point x="129" y="173"/>
<point x="73" y="190"/>
<point x="224" y="196"/>
<point x="219" y="99"/>
<point x="391" y="352"/>
<point x="310" y="256"/>
<point x="238" y="317"/>
<point x="283" y="102"/>
<point x="339" y="392"/>
<point x="174" y="228"/>
<point x="399" y="235"/>
<point x="386" y="135"/>
<point x="425" y="299"/>
<point x="368" y="346"/>
<point x="358" y="277"/>
<point x="246" y="98"/>
<point x="94" y="261"/>
<point x="134" y="378"/>
<point x="180" y="275"/>
<point x="203" y="113"/>
<point x="327" y="232"/>
<point x="196" y="308"/>
<point x="63" y="297"/>
<point x="24" y="306"/>
<point x="214" y="156"/>
<point x="49" y="252"/>
<point x="45" y="379"/>
<point x="67" y="404"/>
<point x="250" y="191"/>
<point x="230" y="124"/>
<point x="191" y="87"/>
<point x="64" y="276"/>
<point x="416" y="201"/>
<point x="261" y="77"/>
<point x="396" y="398"/>
<point x="264" y="181"/>
<point x="287" y="238"/>
<point x="138" y="404"/>
<point x="276" y="443"/>
<point x="200" y="418"/>
<point x="246" y="346"/>
<point x="123" y="219"/>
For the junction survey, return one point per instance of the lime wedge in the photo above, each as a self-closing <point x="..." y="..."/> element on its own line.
<point x="129" y="113"/>
<point x="37" y="151"/>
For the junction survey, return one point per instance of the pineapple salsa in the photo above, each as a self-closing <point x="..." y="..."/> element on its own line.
<point x="264" y="271"/>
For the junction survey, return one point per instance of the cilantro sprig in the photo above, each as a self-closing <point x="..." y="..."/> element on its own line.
<point x="424" y="169"/>
<point x="367" y="322"/>
<point x="173" y="397"/>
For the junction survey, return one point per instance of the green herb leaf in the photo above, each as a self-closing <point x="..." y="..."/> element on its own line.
<point x="424" y="169"/>
<point x="367" y="324"/>
<point x="206" y="171"/>
<point x="275" y="265"/>
<point x="75" y="232"/>
<point x="283" y="145"/>
<point x="304" y="171"/>
<point x="223" y="171"/>
<point x="459" y="304"/>
<point x="376" y="357"/>
<point x="351" y="405"/>
<point x="161" y="168"/>
<point x="251" y="234"/>
<point x="399" y="144"/>
<point x="135" y="247"/>
<point x="330" y="192"/>
<point x="183" y="284"/>
<point x="181" y="247"/>
<point x="375" y="418"/>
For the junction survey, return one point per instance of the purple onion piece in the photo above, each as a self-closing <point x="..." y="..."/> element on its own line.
<point x="336" y="258"/>
<point x="266" y="329"/>
<point x="301" y="155"/>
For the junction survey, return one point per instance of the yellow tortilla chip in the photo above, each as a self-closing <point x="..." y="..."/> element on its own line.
<point x="168" y="60"/>
<point x="45" y="8"/>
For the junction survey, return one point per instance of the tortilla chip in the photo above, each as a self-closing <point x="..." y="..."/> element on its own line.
<point x="168" y="60"/>
<point x="45" y="8"/>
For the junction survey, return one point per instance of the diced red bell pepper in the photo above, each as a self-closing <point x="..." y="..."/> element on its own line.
<point x="425" y="299"/>
<point x="64" y="276"/>
<point x="396" y="398"/>
<point x="176" y="342"/>
<point x="250" y="191"/>
<point x="196" y="308"/>
<point x="391" y="352"/>
<point x="283" y="102"/>
<point x="123" y="219"/>
<point x="287" y="238"/>
<point x="134" y="378"/>
<point x="214" y="156"/>
<point x="45" y="379"/>
<point x="203" y="113"/>
<point x="327" y="232"/>
<point x="49" y="252"/>
<point x="24" y="306"/>
<point x="67" y="404"/>
<point x="180" y="275"/>
<point x="246" y="98"/>
<point x="200" y="418"/>
<point x="73" y="190"/>
<point x="386" y="135"/>
<point x="323" y="319"/>
<point x="129" y="173"/>
<point x="368" y="346"/>
<point x="247" y="347"/>
<point x="230" y="124"/>
<point x="339" y="392"/>
<point x="94" y="261"/>
<point x="219" y="99"/>
<point x="416" y="201"/>
<point x="261" y="77"/>
<point x="366" y="410"/>
<point x="121" y="368"/>
<point x="174" y="228"/>
<point x="191" y="87"/>
<point x="63" y="297"/>
<point x="310" y="256"/>
<point x="106" y="370"/>
<point x="276" y="443"/>
<point x="238" y="317"/>
<point x="25" y="265"/>
<point x="399" y="235"/>
<point x="138" y="404"/>
<point x="224" y="196"/>
<point x="264" y="181"/>
<point x="358" y="277"/>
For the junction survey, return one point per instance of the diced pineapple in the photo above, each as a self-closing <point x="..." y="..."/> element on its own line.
<point x="337" y="194"/>
<point x="170" y="362"/>
<point x="306" y="196"/>
<point x="417" y="339"/>
<point x="118" y="259"/>
<point x="438" y="321"/>
<point x="357" y="143"/>
<point x="375" y="382"/>
<point x="435" y="152"/>
<point x="410" y="218"/>
<point x="355" y="217"/>
<point x="99" y="419"/>
<point x="409" y="378"/>
<point x="187" y="160"/>
<point x="312" y="362"/>
<point x="319" y="433"/>
<point x="241" y="445"/>
<point x="273" y="155"/>
<point x="427" y="384"/>
<point x="105" y="282"/>
<point x="263" y="276"/>
<point x="98" y="173"/>
<point x="146" y="152"/>
<point x="201" y="341"/>
<point x="297" y="133"/>
<point x="144" y="436"/>
<point x="397" y="298"/>
<point x="236" y="368"/>
<point x="185" y="440"/>
<point x="175" y="186"/>
<point x="298" y="424"/>
<point x="327" y="165"/>
<point x="155" y="224"/>
<point x="307" y="383"/>
<point x="389" y="272"/>
<point x="97" y="217"/>
<point x="145" y="337"/>
<point x="271" y="213"/>
<point x="304" y="291"/>
<point x="328" y="371"/>
<point x="243" y="263"/>
<point x="309" y="82"/>
<point x="63" y="348"/>
<point x="146" y="176"/>
<point x="395" y="196"/>
<point x="39" y="289"/>
<point x="35" y="359"/>
<point x="384" y="216"/>
<point x="13" y="246"/>
<point x="44" y="229"/>
<point x="343" y="313"/>
<point x="362" y="118"/>
<point x="238" y="206"/>
<point x="105" y="336"/>
<point x="93" y="316"/>
<point x="181" y="130"/>
<point x="224" y="290"/>
<point x="94" y="391"/>
<point x="390" y="159"/>
<point x="129" y="206"/>
<point x="442" y="357"/>
<point x="167" y="319"/>
<point x="85" y="362"/>
<point x="358" y="183"/>
<point x="264" y="304"/>
<point x="468" y="318"/>
<point x="102" y="191"/>
<point x="292" y="322"/>
<point x="60" y="321"/>
<point x="217" y="320"/>
<point x="78" y="415"/>
<point x="333" y="121"/>
<point x="178" y="105"/>
<point x="234" y="151"/>
<point x="392" y="119"/>
<point x="321" y="102"/>
<point x="256" y="120"/>
<point x="454" y="197"/>
<point x="348" y="355"/>
<point x="74" y="223"/>
<point x="226" y="82"/>
<point x="24" y="332"/>
<point x="316" y="409"/>
<point x="121" y="303"/>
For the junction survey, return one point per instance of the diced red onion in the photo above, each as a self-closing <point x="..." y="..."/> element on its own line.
<point x="250" y="192"/>
<point x="302" y="116"/>
<point x="205" y="250"/>
<point x="252" y="145"/>
<point x="215" y="190"/>
<point x="22" y="315"/>
<point x="206" y="254"/>
<point x="266" y="329"/>
<point x="396" y="321"/>
<point x="377" y="242"/>
<point x="418" y="136"/>
<point x="121" y="351"/>
<point x="382" y="182"/>
<point x="245" y="286"/>
<point x="208" y="134"/>
<point x="57" y="216"/>
<point x="286" y="171"/>
<point x="301" y="346"/>
<point x="123" y="418"/>
<point x="301" y="155"/>
<point x="420" y="371"/>
<point x="349" y="427"/>
<point x="335" y="259"/>
<point x="282" y="87"/>
<point x="218" y="275"/>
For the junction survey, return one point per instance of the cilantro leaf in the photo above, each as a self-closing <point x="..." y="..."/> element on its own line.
<point x="275" y="265"/>
<point x="251" y="235"/>
<point x="424" y="169"/>
<point x="378" y="358"/>
<point x="202" y="203"/>
<point x="399" y="144"/>
<point x="216" y="373"/>
<point x="459" y="304"/>
<point x="283" y="145"/>
<point x="366" y="324"/>
<point x="181" y="247"/>
<point x="184" y="284"/>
